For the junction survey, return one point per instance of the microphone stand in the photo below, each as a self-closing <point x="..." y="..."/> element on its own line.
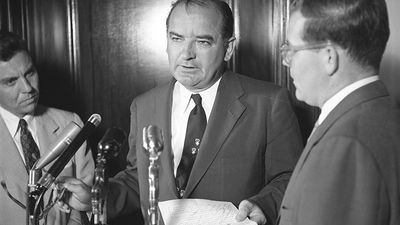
<point x="35" y="195"/>
<point x="153" y="143"/>
<point x="100" y="190"/>
<point x="108" y="146"/>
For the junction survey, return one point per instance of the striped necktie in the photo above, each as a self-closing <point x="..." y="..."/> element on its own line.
<point x="29" y="147"/>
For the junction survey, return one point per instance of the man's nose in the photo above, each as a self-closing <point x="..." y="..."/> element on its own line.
<point x="189" y="50"/>
<point x="26" y="85"/>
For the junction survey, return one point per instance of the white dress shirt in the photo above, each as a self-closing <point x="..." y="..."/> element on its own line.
<point x="12" y="122"/>
<point x="338" y="97"/>
<point x="182" y="105"/>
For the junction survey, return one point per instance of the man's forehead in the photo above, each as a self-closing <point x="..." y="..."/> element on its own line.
<point x="19" y="63"/>
<point x="296" y="27"/>
<point x="199" y="18"/>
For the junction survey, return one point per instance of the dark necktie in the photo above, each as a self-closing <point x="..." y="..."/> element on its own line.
<point x="29" y="147"/>
<point x="196" y="125"/>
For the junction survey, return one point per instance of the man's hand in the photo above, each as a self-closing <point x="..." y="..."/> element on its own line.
<point x="248" y="209"/>
<point x="80" y="198"/>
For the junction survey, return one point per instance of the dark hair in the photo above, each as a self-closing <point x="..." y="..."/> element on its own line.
<point x="221" y="6"/>
<point x="10" y="44"/>
<point x="359" y="26"/>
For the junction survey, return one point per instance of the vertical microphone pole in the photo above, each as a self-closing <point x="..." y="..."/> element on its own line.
<point x="32" y="199"/>
<point x="99" y="191"/>
<point x="153" y="143"/>
<point x="108" y="146"/>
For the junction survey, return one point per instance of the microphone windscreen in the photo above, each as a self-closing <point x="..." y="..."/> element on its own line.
<point x="153" y="138"/>
<point x="63" y="140"/>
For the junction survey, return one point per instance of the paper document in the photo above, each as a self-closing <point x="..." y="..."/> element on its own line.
<point x="199" y="212"/>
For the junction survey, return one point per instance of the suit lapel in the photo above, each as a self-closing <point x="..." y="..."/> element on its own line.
<point x="12" y="165"/>
<point x="363" y="94"/>
<point x="162" y="118"/>
<point x="47" y="130"/>
<point x="226" y="111"/>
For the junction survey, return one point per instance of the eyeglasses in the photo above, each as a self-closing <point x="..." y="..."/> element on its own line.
<point x="288" y="51"/>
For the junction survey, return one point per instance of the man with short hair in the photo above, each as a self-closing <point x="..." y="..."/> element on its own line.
<point x="26" y="131"/>
<point x="249" y="139"/>
<point x="349" y="171"/>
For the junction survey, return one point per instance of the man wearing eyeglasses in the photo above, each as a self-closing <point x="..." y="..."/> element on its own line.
<point x="349" y="171"/>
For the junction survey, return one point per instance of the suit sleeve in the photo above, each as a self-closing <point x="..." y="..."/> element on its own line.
<point x="342" y="184"/>
<point x="84" y="170"/>
<point x="284" y="146"/>
<point x="123" y="195"/>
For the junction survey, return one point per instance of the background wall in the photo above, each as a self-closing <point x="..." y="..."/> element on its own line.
<point x="390" y="66"/>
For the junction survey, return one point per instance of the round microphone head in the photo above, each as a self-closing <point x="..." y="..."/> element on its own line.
<point x="153" y="140"/>
<point x="112" y="141"/>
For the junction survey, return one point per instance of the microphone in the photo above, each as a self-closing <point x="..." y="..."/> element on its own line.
<point x="62" y="142"/>
<point x="153" y="140"/>
<point x="66" y="156"/>
<point x="112" y="141"/>
<point x="109" y="144"/>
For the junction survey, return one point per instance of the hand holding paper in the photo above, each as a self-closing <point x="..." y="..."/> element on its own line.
<point x="200" y="212"/>
<point x="252" y="211"/>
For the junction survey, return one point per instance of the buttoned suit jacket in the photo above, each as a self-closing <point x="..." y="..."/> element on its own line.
<point x="50" y="122"/>
<point x="349" y="171"/>
<point x="249" y="148"/>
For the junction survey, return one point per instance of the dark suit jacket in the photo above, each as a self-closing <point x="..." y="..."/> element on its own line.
<point x="349" y="172"/>
<point x="248" y="151"/>
<point x="50" y="122"/>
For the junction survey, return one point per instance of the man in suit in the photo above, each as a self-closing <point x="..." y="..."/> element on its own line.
<point x="251" y="139"/>
<point x="349" y="171"/>
<point x="19" y="94"/>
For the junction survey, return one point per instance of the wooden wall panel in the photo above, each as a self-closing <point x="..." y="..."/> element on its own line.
<point x="12" y="16"/>
<point x="253" y="56"/>
<point x="390" y="65"/>
<point x="260" y="29"/>
<point x="127" y="52"/>
<point x="122" y="55"/>
<point x="49" y="39"/>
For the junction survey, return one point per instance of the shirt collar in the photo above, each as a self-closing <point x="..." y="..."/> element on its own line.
<point x="12" y="121"/>
<point x="183" y="95"/>
<point x="338" y="97"/>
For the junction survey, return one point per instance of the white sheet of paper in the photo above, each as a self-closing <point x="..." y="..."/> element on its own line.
<point x="199" y="212"/>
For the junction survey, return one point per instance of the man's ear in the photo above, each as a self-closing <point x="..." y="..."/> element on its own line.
<point x="330" y="58"/>
<point x="229" y="48"/>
